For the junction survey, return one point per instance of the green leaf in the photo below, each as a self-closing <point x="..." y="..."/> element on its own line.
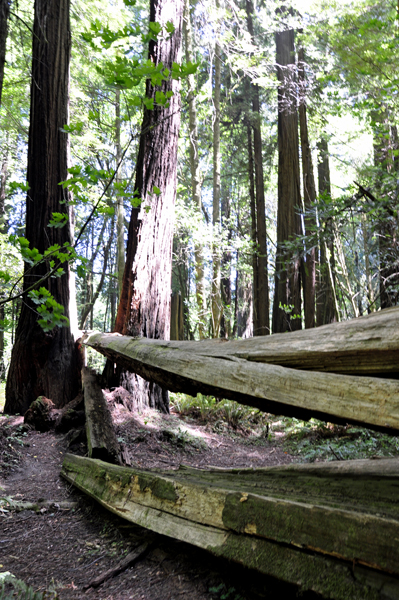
<point x="156" y="190"/>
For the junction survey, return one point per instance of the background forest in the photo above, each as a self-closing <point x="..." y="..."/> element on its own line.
<point x="287" y="200"/>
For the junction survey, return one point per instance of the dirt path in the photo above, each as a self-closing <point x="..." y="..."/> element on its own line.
<point x="62" y="551"/>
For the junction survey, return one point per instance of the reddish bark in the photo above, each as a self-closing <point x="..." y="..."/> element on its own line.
<point x="46" y="364"/>
<point x="144" y="308"/>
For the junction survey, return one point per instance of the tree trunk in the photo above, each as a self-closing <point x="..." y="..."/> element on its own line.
<point x="4" y="14"/>
<point x="254" y="233"/>
<point x="120" y="214"/>
<point x="195" y="172"/>
<point x="309" y="198"/>
<point x="385" y="138"/>
<point x="225" y="322"/>
<point x="261" y="292"/>
<point x="46" y="363"/>
<point x="3" y="229"/>
<point x="144" y="307"/>
<point x="287" y="294"/>
<point x="327" y="308"/>
<point x="216" y="300"/>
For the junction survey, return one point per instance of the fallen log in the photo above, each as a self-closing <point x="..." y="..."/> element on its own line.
<point x="333" y="529"/>
<point x="101" y="438"/>
<point x="368" y="401"/>
<point x="367" y="345"/>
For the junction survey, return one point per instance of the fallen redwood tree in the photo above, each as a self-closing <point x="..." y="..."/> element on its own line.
<point x="331" y="528"/>
<point x="367" y="345"/>
<point x="245" y="370"/>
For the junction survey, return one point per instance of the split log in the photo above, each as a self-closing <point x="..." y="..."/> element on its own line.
<point x="368" y="401"/>
<point x="333" y="529"/>
<point x="367" y="345"/>
<point x="101" y="438"/>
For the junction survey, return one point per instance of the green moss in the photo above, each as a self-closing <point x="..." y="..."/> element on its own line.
<point x="331" y="578"/>
<point x="165" y="490"/>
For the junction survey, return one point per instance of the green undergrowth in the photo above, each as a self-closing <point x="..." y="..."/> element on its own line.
<point x="315" y="440"/>
<point x="12" y="588"/>
<point x="309" y="441"/>
<point x="221" y="415"/>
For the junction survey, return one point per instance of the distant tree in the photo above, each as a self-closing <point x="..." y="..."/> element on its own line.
<point x="4" y="14"/>
<point x="46" y="363"/>
<point x="261" y="283"/>
<point x="144" y="307"/>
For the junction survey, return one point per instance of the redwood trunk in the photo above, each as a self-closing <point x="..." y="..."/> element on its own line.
<point x="309" y="198"/>
<point x="261" y="292"/>
<point x="144" y="307"/>
<point x="326" y="309"/>
<point x="287" y="295"/>
<point x="46" y="363"/>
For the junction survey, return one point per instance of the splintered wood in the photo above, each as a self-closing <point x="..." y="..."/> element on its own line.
<point x="344" y="372"/>
<point x="332" y="528"/>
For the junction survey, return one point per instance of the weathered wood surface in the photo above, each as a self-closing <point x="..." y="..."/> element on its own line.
<point x="369" y="401"/>
<point x="332" y="529"/>
<point x="368" y="345"/>
<point x="101" y="438"/>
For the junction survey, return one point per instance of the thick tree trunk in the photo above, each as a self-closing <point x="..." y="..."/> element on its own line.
<point x="46" y="363"/>
<point x="261" y="292"/>
<point x="144" y="307"/>
<point x="4" y="14"/>
<point x="287" y="294"/>
<point x="309" y="198"/>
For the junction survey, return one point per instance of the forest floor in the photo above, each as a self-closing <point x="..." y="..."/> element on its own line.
<point x="58" y="551"/>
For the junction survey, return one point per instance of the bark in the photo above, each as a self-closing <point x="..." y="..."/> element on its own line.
<point x="369" y="279"/>
<point x="195" y="171"/>
<point x="120" y="214"/>
<point x="327" y="308"/>
<point x="244" y="301"/>
<point x="101" y="437"/>
<point x="216" y="300"/>
<point x="144" y="307"/>
<point x="225" y="322"/>
<point x="46" y="363"/>
<point x="262" y="290"/>
<point x="177" y="317"/>
<point x="254" y="234"/>
<point x="305" y="524"/>
<point x="309" y="199"/>
<point x="4" y="14"/>
<point x="226" y="370"/>
<point x="3" y="229"/>
<point x="287" y="295"/>
<point x="385" y="139"/>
